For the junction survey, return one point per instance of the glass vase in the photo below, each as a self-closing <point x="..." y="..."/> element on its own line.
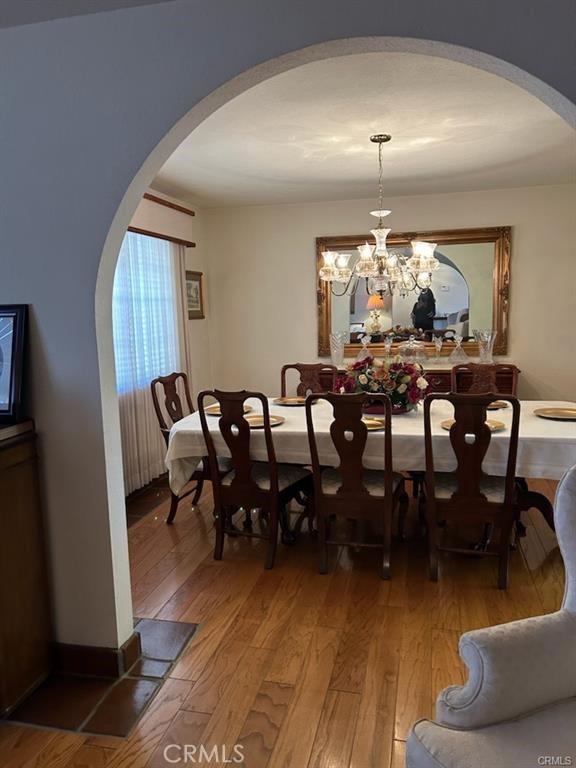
<point x="458" y="355"/>
<point x="485" y="339"/>
<point x="337" y="343"/>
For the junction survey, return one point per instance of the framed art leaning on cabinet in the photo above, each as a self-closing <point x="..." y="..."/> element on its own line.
<point x="13" y="321"/>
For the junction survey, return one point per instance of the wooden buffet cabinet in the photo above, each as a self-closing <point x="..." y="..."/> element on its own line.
<point x="25" y="625"/>
<point x="439" y="380"/>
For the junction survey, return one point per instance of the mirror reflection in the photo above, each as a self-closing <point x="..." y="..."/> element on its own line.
<point x="459" y="299"/>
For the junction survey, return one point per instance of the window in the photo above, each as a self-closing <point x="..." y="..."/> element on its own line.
<point x="144" y="313"/>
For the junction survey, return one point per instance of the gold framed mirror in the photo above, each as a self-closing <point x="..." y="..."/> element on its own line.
<point x="470" y="291"/>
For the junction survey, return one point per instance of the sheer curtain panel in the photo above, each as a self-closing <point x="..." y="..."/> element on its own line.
<point x="145" y="310"/>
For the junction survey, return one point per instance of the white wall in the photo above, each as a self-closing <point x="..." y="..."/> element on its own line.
<point x="91" y="108"/>
<point x="263" y="279"/>
<point x="158" y="218"/>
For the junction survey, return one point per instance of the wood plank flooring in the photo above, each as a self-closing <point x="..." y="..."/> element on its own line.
<point x="300" y="670"/>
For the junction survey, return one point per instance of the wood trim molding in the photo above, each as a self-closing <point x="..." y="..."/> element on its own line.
<point x="168" y="204"/>
<point x="97" y="660"/>
<point x="500" y="236"/>
<point x="149" y="233"/>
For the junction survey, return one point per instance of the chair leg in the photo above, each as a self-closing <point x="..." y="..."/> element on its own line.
<point x="387" y="543"/>
<point x="220" y="523"/>
<point x="322" y="546"/>
<point x="504" y="558"/>
<point x="173" y="508"/>
<point x="432" y="527"/>
<point x="273" y="534"/>
<point x="403" y="504"/>
<point x="197" y="492"/>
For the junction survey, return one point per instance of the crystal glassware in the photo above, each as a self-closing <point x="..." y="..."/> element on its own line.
<point x="364" y="352"/>
<point x="485" y="339"/>
<point x="438" y="341"/>
<point x="458" y="355"/>
<point x="388" y="341"/>
<point x="337" y="341"/>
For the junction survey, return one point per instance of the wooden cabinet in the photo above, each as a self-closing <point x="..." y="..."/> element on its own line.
<point x="24" y="596"/>
<point x="439" y="380"/>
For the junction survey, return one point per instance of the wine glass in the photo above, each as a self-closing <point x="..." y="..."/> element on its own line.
<point x="438" y="341"/>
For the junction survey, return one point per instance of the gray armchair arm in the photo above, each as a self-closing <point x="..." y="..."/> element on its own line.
<point x="513" y="669"/>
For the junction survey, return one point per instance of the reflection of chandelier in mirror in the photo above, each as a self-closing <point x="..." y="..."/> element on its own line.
<point x="385" y="272"/>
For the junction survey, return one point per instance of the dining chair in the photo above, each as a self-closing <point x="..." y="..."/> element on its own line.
<point x="175" y="394"/>
<point x="467" y="494"/>
<point x="314" y="377"/>
<point x="267" y="486"/>
<point x="350" y="490"/>
<point x="483" y="377"/>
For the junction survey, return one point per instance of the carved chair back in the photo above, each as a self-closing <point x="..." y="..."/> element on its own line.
<point x="237" y="436"/>
<point x="169" y="406"/>
<point x="349" y="436"/>
<point x="470" y="438"/>
<point x="313" y="378"/>
<point x="484" y="377"/>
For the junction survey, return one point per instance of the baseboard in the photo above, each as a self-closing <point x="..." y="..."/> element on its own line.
<point x="96" y="660"/>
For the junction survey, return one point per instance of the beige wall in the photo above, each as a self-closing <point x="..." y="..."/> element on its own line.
<point x="158" y="218"/>
<point x="262" y="279"/>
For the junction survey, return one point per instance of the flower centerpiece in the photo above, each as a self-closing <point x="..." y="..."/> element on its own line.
<point x="404" y="383"/>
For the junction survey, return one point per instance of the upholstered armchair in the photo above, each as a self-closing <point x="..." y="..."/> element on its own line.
<point x="518" y="708"/>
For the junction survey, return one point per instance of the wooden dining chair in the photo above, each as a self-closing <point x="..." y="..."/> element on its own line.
<point x="484" y="377"/>
<point x="314" y="377"/>
<point x="467" y="494"/>
<point x="267" y="486"/>
<point x="350" y="490"/>
<point x="171" y="405"/>
<point x="503" y="379"/>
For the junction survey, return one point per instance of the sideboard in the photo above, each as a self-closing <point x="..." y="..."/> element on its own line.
<point x="439" y="379"/>
<point x="25" y="628"/>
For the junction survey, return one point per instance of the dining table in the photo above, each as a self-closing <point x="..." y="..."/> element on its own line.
<point x="546" y="448"/>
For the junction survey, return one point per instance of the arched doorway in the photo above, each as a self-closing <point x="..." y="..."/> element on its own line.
<point x="169" y="142"/>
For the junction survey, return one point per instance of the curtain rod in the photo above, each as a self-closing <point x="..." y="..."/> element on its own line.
<point x="168" y="204"/>
<point x="149" y="233"/>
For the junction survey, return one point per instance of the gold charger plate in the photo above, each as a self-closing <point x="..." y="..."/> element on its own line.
<point x="292" y="401"/>
<point x="373" y="424"/>
<point x="256" y="420"/>
<point x="496" y="405"/>
<point x="494" y="426"/>
<point x="556" y="414"/>
<point x="214" y="410"/>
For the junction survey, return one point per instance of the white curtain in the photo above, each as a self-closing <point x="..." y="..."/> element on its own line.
<point x="147" y="343"/>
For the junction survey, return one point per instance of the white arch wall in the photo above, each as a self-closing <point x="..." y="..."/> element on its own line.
<point x="84" y="102"/>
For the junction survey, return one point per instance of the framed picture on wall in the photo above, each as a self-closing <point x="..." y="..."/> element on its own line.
<point x="194" y="296"/>
<point x="13" y="319"/>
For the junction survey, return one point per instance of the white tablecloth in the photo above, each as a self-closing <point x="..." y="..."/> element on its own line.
<point x="546" y="448"/>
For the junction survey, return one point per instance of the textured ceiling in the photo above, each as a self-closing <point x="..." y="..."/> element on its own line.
<point x="14" y="13"/>
<point x="304" y="135"/>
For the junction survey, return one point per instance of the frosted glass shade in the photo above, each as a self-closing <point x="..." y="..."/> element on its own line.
<point x="380" y="236"/>
<point x="366" y="265"/>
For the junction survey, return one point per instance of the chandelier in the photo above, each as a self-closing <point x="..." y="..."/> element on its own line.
<point x="385" y="272"/>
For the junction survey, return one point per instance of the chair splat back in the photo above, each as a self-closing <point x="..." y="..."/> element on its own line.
<point x="470" y="438"/>
<point x="311" y="376"/>
<point x="349" y="436"/>
<point x="236" y="434"/>
<point x="172" y="400"/>
<point x="483" y="377"/>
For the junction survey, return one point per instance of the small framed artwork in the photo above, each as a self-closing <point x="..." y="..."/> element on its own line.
<point x="194" y="296"/>
<point x="13" y="319"/>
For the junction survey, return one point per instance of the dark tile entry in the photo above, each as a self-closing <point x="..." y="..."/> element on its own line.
<point x="107" y="706"/>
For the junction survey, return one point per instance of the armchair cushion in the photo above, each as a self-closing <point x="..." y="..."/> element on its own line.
<point x="514" y="669"/>
<point x="511" y="744"/>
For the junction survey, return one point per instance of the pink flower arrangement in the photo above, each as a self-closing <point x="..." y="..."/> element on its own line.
<point x="404" y="383"/>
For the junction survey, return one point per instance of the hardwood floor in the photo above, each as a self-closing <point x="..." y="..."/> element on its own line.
<point x="300" y="670"/>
